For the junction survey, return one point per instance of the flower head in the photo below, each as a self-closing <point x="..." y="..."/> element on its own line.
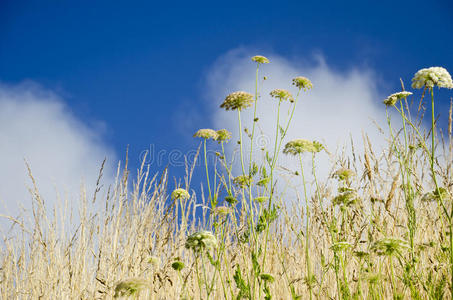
<point x="282" y="94"/>
<point x="393" y="98"/>
<point x="302" y="83"/>
<point x="201" y="240"/>
<point x="238" y="100"/>
<point x="389" y="246"/>
<point x="298" y="146"/>
<point x="243" y="181"/>
<point x="223" y="210"/>
<point x="206" y="134"/>
<point x="267" y="277"/>
<point x="177" y="265"/>
<point x="430" y="77"/>
<point x="223" y="135"/>
<point x="180" y="194"/>
<point x="130" y="287"/>
<point x="344" y="174"/>
<point x="260" y="59"/>
<point x="340" y="246"/>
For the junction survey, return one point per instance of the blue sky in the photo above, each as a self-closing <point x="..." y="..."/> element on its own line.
<point x="137" y="71"/>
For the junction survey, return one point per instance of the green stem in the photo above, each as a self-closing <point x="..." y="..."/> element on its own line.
<point x="254" y="117"/>
<point x="240" y="141"/>
<point x="207" y="172"/>
<point x="307" y="235"/>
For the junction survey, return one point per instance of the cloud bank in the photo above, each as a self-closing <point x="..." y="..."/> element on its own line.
<point x="342" y="105"/>
<point x="63" y="152"/>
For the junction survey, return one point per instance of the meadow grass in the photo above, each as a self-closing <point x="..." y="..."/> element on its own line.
<point x="378" y="227"/>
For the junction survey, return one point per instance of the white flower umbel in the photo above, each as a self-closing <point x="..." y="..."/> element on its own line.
<point x="431" y="77"/>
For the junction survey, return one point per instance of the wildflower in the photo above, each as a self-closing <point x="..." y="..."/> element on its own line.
<point x="223" y="210"/>
<point x="260" y="59"/>
<point x="347" y="197"/>
<point x="282" y="95"/>
<point x="302" y="83"/>
<point x="344" y="174"/>
<point x="238" y="100"/>
<point x="298" y="146"/>
<point x="260" y="199"/>
<point x="231" y="199"/>
<point x="361" y="254"/>
<point x="436" y="195"/>
<point x="206" y="134"/>
<point x="177" y="265"/>
<point x="264" y="181"/>
<point x="267" y="277"/>
<point x="340" y="246"/>
<point x="242" y="181"/>
<point x="393" y="98"/>
<point x="180" y="194"/>
<point x="201" y="240"/>
<point x="388" y="246"/>
<point x="429" y="77"/>
<point x="223" y="135"/>
<point x="154" y="260"/>
<point x="130" y="287"/>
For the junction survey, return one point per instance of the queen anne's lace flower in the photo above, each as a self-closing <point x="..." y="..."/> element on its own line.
<point x="430" y="77"/>
<point x="282" y="94"/>
<point x="297" y="146"/>
<point x="302" y="83"/>
<point x="238" y="100"/>
<point x="223" y="135"/>
<point x="201" y="240"/>
<point x="393" y="98"/>
<point x="260" y="59"/>
<point x="206" y="134"/>
<point x="180" y="194"/>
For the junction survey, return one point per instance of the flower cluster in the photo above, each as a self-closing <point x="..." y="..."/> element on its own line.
<point x="260" y="59"/>
<point x="243" y="181"/>
<point x="180" y="194"/>
<point x="298" y="146"/>
<point x="282" y="94"/>
<point x="130" y="287"/>
<point x="302" y="83"/>
<point x="344" y="174"/>
<point x="238" y="100"/>
<point x="206" y="134"/>
<point x="201" y="240"/>
<point x="393" y="98"/>
<point x="430" y="77"/>
<point x="223" y="135"/>
<point x="389" y="246"/>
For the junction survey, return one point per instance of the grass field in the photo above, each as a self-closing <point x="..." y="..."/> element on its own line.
<point x="377" y="228"/>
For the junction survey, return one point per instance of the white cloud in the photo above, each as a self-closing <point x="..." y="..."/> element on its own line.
<point x="63" y="152"/>
<point x="341" y="104"/>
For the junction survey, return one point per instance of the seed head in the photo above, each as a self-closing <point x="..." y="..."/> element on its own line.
<point x="340" y="246"/>
<point x="260" y="59"/>
<point x="130" y="287"/>
<point x="223" y="135"/>
<point x="282" y="94"/>
<point x="206" y="134"/>
<point x="298" y="146"/>
<point x="177" y="265"/>
<point x="347" y="197"/>
<point x="238" y="100"/>
<point x="393" y="98"/>
<point x="430" y="77"/>
<point x="302" y="83"/>
<point x="201" y="240"/>
<point x="242" y="181"/>
<point x="180" y="194"/>
<point x="267" y="277"/>
<point x="344" y="174"/>
<point x="389" y="246"/>
<point x="223" y="210"/>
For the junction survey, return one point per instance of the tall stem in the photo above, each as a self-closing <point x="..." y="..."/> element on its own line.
<point x="207" y="172"/>
<point x="254" y="117"/>
<point x="240" y="141"/>
<point x="307" y="225"/>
